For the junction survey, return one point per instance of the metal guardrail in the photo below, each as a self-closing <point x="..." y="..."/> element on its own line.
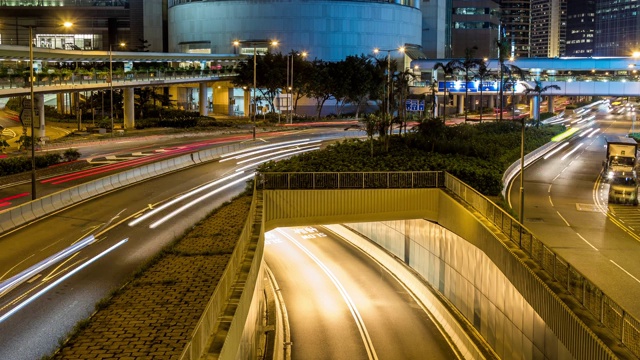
<point x="350" y="180"/>
<point x="625" y="327"/>
<point x="120" y="80"/>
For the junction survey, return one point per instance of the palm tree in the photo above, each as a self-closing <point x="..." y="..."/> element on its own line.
<point x="537" y="91"/>
<point x="467" y="64"/>
<point x="512" y="71"/>
<point x="402" y="81"/>
<point x="482" y="74"/>
<point x="449" y="69"/>
<point x="503" y="50"/>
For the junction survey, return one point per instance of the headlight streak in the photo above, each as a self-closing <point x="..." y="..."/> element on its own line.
<point x="18" y="279"/>
<point x="190" y="204"/>
<point x="571" y="152"/>
<point x="63" y="278"/>
<point x="586" y="119"/>
<point x="277" y="152"/>
<point x="593" y="133"/>
<point x="253" y="149"/>
<point x="587" y="131"/>
<point x="285" y="149"/>
<point x="555" y="150"/>
<point x="276" y="157"/>
<point x="181" y="197"/>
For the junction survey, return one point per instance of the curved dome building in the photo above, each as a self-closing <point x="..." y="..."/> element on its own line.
<point x="328" y="29"/>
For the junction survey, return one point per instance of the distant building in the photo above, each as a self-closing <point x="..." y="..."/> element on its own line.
<point x="96" y="24"/>
<point x="516" y="19"/>
<point x="436" y="28"/>
<point x="548" y="27"/>
<point x="475" y="23"/>
<point x="617" y="29"/>
<point x="581" y="28"/>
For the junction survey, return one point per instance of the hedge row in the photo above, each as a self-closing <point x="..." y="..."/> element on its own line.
<point x="19" y="164"/>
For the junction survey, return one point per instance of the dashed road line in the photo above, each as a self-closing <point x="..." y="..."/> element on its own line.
<point x="628" y="273"/>
<point x="588" y="243"/>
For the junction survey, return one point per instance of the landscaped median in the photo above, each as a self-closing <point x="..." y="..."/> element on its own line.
<point x="154" y="315"/>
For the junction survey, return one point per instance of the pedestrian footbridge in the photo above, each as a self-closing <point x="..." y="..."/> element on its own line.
<point x="497" y="290"/>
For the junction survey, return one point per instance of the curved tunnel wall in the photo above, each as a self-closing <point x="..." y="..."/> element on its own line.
<point x="328" y="30"/>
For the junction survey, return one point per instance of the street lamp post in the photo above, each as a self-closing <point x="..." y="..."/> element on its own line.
<point x="254" y="43"/>
<point x="388" y="85"/>
<point x="33" y="117"/>
<point x="111" y="85"/>
<point x="303" y="54"/>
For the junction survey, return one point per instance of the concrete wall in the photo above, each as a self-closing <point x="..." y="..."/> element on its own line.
<point x="473" y="283"/>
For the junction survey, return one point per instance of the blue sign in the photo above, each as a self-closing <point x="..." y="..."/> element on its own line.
<point x="473" y="86"/>
<point x="414" y="105"/>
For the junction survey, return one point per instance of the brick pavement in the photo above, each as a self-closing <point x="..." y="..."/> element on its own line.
<point x="153" y="316"/>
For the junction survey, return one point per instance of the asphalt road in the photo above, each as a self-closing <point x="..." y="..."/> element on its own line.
<point x="31" y="326"/>
<point x="566" y="207"/>
<point x="343" y="305"/>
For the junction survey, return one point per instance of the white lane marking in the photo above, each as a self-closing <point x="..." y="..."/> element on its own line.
<point x="562" y="217"/>
<point x="14" y="266"/>
<point x="368" y="344"/>
<point x="628" y="273"/>
<point x="571" y="152"/>
<point x="550" y="200"/>
<point x="55" y="283"/>
<point x="588" y="243"/>
<point x="34" y="278"/>
<point x="549" y="189"/>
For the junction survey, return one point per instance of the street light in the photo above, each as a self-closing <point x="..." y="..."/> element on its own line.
<point x="388" y="94"/>
<point x="122" y="44"/>
<point x="254" y="43"/>
<point x="290" y="87"/>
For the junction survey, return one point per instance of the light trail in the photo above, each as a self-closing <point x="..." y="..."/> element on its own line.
<point x="277" y="152"/>
<point x="276" y="157"/>
<point x="192" y="203"/>
<point x="548" y="155"/>
<point x="181" y="197"/>
<point x="259" y="149"/>
<point x="18" y="279"/>
<point x="63" y="278"/>
<point x="572" y="151"/>
<point x="587" y="131"/>
<point x="593" y="133"/>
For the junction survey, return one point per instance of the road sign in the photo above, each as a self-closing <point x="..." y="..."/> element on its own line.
<point x="25" y="118"/>
<point x="26" y="103"/>
<point x="414" y="105"/>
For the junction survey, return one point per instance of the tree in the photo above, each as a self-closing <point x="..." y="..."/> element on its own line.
<point x="449" y="69"/>
<point x="270" y="75"/>
<point x="467" y="64"/>
<point x="537" y="91"/>
<point x="503" y="50"/>
<point x="513" y="73"/>
<point x="143" y="96"/>
<point x="483" y="73"/>
<point x="403" y="79"/>
<point x="370" y="126"/>
<point x="319" y="85"/>
<point x="361" y="80"/>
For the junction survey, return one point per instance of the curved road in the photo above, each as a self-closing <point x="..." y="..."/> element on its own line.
<point x="343" y="305"/>
<point x="566" y="207"/>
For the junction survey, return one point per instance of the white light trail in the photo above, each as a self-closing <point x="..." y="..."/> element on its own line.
<point x="572" y="151"/>
<point x="555" y="150"/>
<point x="18" y="279"/>
<point x="63" y="278"/>
<point x="190" y="204"/>
<point x="277" y="152"/>
<point x="223" y="156"/>
<point x="593" y="133"/>
<point x="272" y="148"/>
<point x="276" y="157"/>
<point x="181" y="197"/>
<point x="587" y="131"/>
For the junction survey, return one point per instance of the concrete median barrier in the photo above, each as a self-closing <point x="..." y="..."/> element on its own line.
<point x="17" y="216"/>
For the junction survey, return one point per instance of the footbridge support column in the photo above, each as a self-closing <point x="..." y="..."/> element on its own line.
<point x="129" y="109"/>
<point x="202" y="99"/>
<point x="40" y="104"/>
<point x="550" y="106"/>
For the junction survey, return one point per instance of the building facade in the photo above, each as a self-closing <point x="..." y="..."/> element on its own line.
<point x="617" y="29"/>
<point x="96" y="24"/>
<point x="515" y="17"/>
<point x="581" y="27"/>
<point x="475" y="23"/>
<point x="327" y="30"/>
<point x="548" y="28"/>
<point x="436" y="28"/>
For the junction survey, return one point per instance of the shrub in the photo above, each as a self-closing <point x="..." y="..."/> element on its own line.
<point x="71" y="155"/>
